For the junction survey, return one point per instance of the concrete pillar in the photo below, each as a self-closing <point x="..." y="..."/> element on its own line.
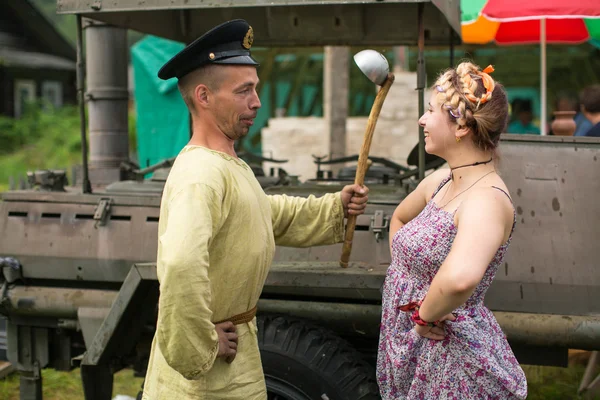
<point x="400" y="58"/>
<point x="335" y="99"/>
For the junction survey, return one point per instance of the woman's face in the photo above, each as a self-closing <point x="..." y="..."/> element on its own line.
<point x="439" y="130"/>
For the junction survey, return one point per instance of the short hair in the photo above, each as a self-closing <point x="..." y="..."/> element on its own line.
<point x="461" y="92"/>
<point x="590" y="99"/>
<point x="209" y="75"/>
<point x="524" y="106"/>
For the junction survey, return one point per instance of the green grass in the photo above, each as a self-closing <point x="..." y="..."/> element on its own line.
<point x="553" y="383"/>
<point x="67" y="385"/>
<point x="545" y="383"/>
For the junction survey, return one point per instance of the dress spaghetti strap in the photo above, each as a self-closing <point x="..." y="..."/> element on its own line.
<point x="503" y="191"/>
<point x="514" y="212"/>
<point x="441" y="185"/>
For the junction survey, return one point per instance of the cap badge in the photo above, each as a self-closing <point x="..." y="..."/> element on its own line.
<point x="248" y="39"/>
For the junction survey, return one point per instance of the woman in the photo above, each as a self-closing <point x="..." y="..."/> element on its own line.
<point x="447" y="238"/>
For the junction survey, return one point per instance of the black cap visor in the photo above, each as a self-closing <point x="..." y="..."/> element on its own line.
<point x="238" y="60"/>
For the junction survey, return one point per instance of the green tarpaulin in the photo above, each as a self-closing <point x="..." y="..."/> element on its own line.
<point x="161" y="115"/>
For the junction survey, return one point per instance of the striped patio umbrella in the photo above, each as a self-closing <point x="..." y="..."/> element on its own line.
<point x="511" y="22"/>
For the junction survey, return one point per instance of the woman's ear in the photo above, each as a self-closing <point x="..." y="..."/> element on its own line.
<point x="461" y="132"/>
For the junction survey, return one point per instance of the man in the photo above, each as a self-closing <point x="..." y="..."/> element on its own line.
<point x="590" y="107"/>
<point x="218" y="230"/>
<point x="566" y="102"/>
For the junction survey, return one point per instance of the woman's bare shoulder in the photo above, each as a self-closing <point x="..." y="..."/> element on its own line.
<point x="486" y="201"/>
<point x="433" y="181"/>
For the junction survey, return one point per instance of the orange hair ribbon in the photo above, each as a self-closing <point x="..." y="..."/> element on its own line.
<point x="488" y="84"/>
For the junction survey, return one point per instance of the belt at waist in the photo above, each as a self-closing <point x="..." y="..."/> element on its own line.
<point x="242" y="318"/>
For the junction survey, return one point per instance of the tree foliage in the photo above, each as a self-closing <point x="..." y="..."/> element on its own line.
<point x="43" y="138"/>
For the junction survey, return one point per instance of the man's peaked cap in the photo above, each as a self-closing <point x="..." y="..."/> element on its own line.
<point x="228" y="43"/>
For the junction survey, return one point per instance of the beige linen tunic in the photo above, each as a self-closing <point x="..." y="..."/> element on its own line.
<point x="217" y="235"/>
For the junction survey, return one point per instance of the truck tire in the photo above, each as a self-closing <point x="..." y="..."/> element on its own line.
<point x="302" y="361"/>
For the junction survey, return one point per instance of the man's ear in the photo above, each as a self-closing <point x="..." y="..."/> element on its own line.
<point x="202" y="95"/>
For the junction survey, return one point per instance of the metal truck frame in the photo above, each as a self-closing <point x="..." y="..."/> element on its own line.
<point x="79" y="286"/>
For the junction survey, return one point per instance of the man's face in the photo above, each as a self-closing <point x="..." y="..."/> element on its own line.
<point x="236" y="101"/>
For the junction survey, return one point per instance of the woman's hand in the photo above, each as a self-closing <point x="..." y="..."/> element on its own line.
<point x="435" y="332"/>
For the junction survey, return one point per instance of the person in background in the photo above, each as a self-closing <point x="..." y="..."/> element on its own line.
<point x="522" y="124"/>
<point x="590" y="108"/>
<point x="567" y="102"/>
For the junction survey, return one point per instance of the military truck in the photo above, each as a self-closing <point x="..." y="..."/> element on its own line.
<point x="78" y="281"/>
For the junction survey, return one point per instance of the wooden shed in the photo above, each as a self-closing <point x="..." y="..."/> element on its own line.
<point x="36" y="61"/>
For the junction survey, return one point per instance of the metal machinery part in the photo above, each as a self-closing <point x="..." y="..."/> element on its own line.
<point x="79" y="289"/>
<point x="284" y="22"/>
<point x="107" y="98"/>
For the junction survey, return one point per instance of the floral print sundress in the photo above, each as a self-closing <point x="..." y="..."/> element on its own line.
<point x="474" y="361"/>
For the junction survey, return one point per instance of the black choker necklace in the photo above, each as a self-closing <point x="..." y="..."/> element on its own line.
<point x="469" y="165"/>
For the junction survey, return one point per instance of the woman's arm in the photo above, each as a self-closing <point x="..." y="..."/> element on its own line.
<point x="485" y="221"/>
